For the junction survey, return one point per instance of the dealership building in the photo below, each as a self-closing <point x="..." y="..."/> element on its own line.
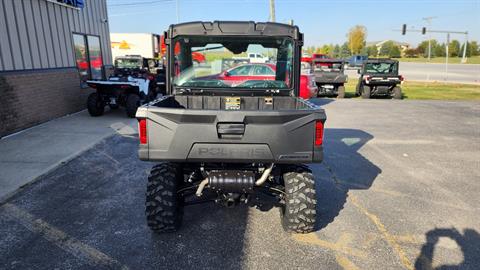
<point x="48" y="49"/>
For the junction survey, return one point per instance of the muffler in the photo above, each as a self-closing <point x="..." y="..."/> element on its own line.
<point x="233" y="181"/>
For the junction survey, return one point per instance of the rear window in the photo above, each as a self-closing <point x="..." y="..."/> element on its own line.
<point x="381" y="68"/>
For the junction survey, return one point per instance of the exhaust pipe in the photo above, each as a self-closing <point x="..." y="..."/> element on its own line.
<point x="266" y="173"/>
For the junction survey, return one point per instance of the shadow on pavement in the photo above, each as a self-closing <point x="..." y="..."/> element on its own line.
<point x="469" y="243"/>
<point x="343" y="168"/>
<point x="98" y="200"/>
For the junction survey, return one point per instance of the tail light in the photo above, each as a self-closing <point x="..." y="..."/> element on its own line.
<point x="142" y="131"/>
<point x="401" y="78"/>
<point x="150" y="78"/>
<point x="318" y="133"/>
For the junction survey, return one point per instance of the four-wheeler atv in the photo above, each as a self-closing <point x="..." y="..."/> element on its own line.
<point x="330" y="77"/>
<point x="232" y="139"/>
<point x="379" y="77"/>
<point x="134" y="82"/>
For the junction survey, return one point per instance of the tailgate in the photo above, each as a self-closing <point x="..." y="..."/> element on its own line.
<point x="187" y="135"/>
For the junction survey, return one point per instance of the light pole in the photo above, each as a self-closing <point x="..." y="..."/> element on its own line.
<point x="176" y="7"/>
<point x="429" y="22"/>
<point x="272" y="10"/>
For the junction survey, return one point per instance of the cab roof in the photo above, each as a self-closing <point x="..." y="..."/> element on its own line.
<point x="235" y="28"/>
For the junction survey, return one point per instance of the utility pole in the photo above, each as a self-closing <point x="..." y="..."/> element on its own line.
<point x="429" y="22"/>
<point x="464" y="56"/>
<point x="446" y="57"/>
<point x="176" y="6"/>
<point x="272" y="10"/>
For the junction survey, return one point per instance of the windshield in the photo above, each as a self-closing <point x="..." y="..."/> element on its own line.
<point x="381" y="68"/>
<point x="233" y="62"/>
<point x="328" y="66"/>
<point x="128" y="63"/>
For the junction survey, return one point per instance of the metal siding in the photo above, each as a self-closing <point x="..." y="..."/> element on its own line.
<point x="23" y="37"/>
<point x="31" y="33"/>
<point x="61" y="23"/>
<point x="5" y="49"/>
<point x="59" y="35"/>
<point x="71" y="26"/>
<point x="106" y="37"/>
<point x="12" y="33"/>
<point x="38" y="34"/>
<point x="48" y="34"/>
<point x="52" y="23"/>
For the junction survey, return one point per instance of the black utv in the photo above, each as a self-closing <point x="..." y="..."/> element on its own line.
<point x="233" y="138"/>
<point x="330" y="77"/>
<point x="379" y="77"/>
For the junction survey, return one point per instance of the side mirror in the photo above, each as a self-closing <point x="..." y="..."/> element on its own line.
<point x="226" y="74"/>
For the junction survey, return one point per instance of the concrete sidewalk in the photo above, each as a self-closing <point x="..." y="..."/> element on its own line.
<point x="26" y="155"/>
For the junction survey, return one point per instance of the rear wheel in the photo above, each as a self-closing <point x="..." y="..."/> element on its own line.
<point x="366" y="91"/>
<point x="163" y="207"/>
<point x="95" y="104"/>
<point x="132" y="104"/>
<point x="298" y="214"/>
<point x="341" y="91"/>
<point x="397" y="92"/>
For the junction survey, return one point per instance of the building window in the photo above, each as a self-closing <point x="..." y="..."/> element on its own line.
<point x="81" y="57"/>
<point x="95" y="54"/>
<point x="88" y="57"/>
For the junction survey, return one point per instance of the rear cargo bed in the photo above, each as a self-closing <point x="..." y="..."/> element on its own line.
<point x="202" y="129"/>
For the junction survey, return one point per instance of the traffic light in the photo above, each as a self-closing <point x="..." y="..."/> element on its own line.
<point x="424" y="30"/>
<point x="404" y="29"/>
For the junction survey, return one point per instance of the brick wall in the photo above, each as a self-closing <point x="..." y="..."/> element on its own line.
<point x="29" y="98"/>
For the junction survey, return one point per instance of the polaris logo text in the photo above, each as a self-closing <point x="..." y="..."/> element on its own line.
<point x="223" y="152"/>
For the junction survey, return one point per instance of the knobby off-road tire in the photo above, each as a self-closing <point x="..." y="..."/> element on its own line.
<point x="366" y="91"/>
<point x="132" y="104"/>
<point x="397" y="92"/>
<point x="95" y="105"/>
<point x="341" y="91"/>
<point x="163" y="207"/>
<point x="298" y="214"/>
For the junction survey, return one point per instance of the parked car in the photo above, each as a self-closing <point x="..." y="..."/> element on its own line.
<point x="216" y="142"/>
<point x="330" y="77"/>
<point x="356" y="61"/>
<point x="240" y="74"/>
<point x="317" y="56"/>
<point x="379" y="77"/>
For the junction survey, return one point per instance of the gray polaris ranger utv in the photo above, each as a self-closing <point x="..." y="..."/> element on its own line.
<point x="330" y="77"/>
<point x="235" y="136"/>
<point x="379" y="77"/>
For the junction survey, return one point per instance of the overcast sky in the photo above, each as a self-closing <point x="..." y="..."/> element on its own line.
<point x="322" y="22"/>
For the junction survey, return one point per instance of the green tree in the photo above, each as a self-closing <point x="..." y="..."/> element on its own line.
<point x="390" y="49"/>
<point x="439" y="50"/>
<point x="345" y="50"/>
<point x="356" y="38"/>
<point x="472" y="49"/>
<point x="422" y="48"/>
<point x="372" y="51"/>
<point x="395" y="52"/>
<point x="337" y="51"/>
<point x="454" y="48"/>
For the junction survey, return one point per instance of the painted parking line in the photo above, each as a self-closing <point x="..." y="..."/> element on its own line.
<point x="59" y="238"/>
<point x="340" y="246"/>
<point x="384" y="232"/>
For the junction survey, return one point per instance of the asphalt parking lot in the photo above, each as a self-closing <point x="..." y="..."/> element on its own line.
<point x="398" y="190"/>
